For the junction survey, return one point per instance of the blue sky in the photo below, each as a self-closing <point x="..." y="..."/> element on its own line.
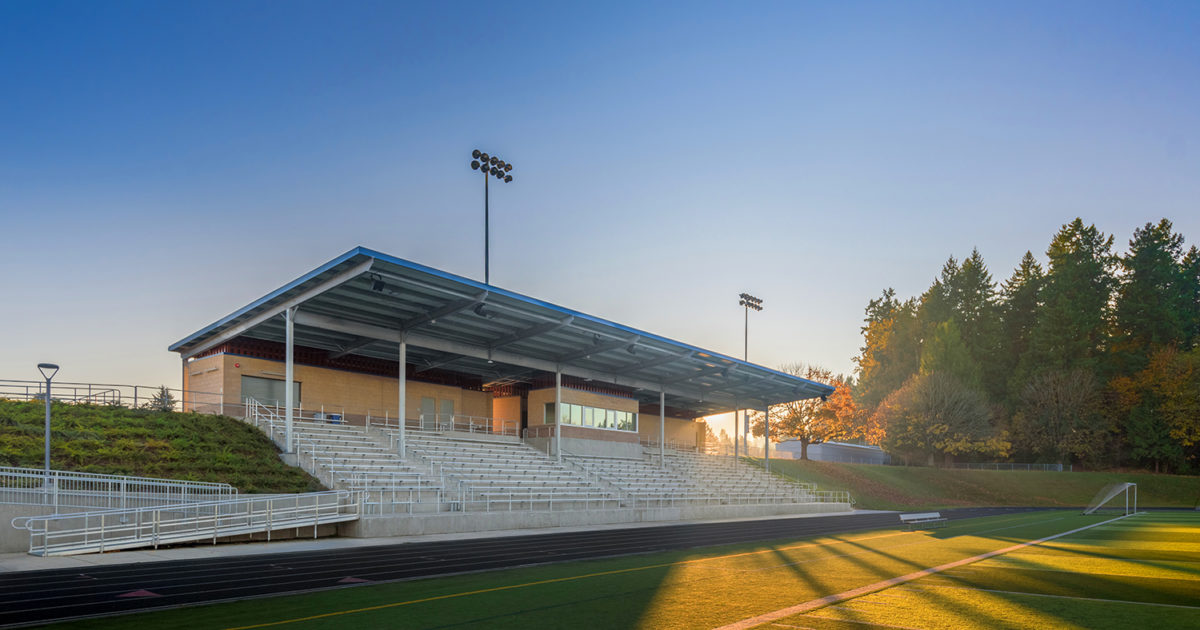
<point x="162" y="164"/>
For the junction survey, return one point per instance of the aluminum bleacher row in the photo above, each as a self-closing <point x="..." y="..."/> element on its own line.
<point x="446" y="472"/>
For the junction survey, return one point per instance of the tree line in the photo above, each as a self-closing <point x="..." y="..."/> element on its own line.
<point x="1092" y="360"/>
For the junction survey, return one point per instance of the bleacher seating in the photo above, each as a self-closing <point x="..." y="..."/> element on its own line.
<point x="733" y="480"/>
<point x="643" y="483"/>
<point x="451" y="472"/>
<point x="489" y="474"/>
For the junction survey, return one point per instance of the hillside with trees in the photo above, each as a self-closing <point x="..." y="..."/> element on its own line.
<point x="1093" y="359"/>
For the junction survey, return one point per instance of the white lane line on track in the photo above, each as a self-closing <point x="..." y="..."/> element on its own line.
<point x="863" y="590"/>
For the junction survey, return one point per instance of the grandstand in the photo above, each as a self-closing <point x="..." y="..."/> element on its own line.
<point x="455" y="472"/>
<point x="428" y="402"/>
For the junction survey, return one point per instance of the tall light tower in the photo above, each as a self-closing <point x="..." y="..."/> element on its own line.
<point x="491" y="166"/>
<point x="748" y="302"/>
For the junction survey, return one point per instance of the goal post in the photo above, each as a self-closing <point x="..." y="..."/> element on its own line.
<point x="1114" y="498"/>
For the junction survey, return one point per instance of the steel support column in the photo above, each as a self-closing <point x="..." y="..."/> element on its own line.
<point x="767" y="437"/>
<point x="403" y="386"/>
<point x="662" y="429"/>
<point x="558" y="414"/>
<point x="735" y="431"/>
<point x="289" y="374"/>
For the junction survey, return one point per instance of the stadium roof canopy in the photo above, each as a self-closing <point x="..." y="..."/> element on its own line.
<point x="364" y="302"/>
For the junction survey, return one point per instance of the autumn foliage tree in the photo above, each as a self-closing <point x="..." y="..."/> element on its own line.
<point x="1159" y="408"/>
<point x="812" y="421"/>
<point x="934" y="414"/>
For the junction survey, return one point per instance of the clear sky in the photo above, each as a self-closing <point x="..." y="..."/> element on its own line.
<point x="162" y="164"/>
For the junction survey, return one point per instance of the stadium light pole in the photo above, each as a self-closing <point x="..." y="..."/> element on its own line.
<point x="748" y="302"/>
<point x="48" y="371"/>
<point x="491" y="166"/>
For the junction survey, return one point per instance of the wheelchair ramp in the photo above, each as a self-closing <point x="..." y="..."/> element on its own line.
<point x="112" y="530"/>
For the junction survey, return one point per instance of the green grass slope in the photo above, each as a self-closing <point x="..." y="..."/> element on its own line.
<point x="901" y="488"/>
<point x="120" y="441"/>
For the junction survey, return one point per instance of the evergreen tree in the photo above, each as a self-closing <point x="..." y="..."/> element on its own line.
<point x="1020" y="305"/>
<point x="1191" y="279"/>
<point x="892" y="348"/>
<point x="1153" y="305"/>
<point x="976" y="312"/>
<point x="1072" y="328"/>
<point x="945" y="352"/>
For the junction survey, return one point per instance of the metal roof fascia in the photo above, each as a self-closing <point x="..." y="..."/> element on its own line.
<point x="175" y="347"/>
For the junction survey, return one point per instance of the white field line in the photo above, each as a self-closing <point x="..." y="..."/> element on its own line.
<point x="923" y="587"/>
<point x="863" y="590"/>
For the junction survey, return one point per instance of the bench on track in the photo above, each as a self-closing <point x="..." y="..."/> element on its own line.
<point x="923" y="519"/>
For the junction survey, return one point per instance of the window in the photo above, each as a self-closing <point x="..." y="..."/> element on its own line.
<point x="269" y="391"/>
<point x="582" y="416"/>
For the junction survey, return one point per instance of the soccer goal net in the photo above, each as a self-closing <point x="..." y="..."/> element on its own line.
<point x="1115" y="498"/>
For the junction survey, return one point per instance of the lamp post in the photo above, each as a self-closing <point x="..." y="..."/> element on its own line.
<point x="748" y="302"/>
<point x="48" y="371"/>
<point x="491" y="166"/>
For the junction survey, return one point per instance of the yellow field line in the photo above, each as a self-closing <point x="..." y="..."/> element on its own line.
<point x="563" y="579"/>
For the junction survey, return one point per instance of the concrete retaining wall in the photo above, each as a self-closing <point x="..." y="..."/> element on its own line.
<point x="460" y="522"/>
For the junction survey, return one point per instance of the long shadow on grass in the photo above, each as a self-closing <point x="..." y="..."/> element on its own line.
<point x="962" y="610"/>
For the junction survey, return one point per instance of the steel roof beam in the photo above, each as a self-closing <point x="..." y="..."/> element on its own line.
<point x="644" y="365"/>
<point x="532" y="331"/>
<point x="716" y="369"/>
<point x="278" y="309"/>
<point x="445" y="311"/>
<point x="615" y="344"/>
<point x="501" y="356"/>
<point x="354" y="346"/>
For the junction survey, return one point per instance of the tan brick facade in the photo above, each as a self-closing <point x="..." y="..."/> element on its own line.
<point x="218" y="378"/>
<point x="336" y="391"/>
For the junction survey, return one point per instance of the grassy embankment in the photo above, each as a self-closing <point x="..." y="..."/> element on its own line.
<point x="139" y="442"/>
<point x="902" y="488"/>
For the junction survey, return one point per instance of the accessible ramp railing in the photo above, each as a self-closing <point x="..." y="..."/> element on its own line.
<point x="111" y="530"/>
<point x="68" y="489"/>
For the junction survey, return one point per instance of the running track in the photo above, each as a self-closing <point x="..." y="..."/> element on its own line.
<point x="33" y="597"/>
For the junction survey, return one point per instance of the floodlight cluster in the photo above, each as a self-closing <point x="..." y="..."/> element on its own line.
<point x="491" y="165"/>
<point x="749" y="301"/>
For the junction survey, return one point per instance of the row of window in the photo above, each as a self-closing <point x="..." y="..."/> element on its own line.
<point x="582" y="416"/>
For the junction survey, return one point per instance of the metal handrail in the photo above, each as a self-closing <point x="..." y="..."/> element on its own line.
<point x="109" y="530"/>
<point x="63" y="488"/>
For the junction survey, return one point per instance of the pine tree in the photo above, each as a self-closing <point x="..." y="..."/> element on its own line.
<point x="1020" y="304"/>
<point x="892" y="348"/>
<point x="1072" y="328"/>
<point x="977" y="314"/>
<point x="944" y="352"/>
<point x="1191" y="279"/>
<point x="1153" y="304"/>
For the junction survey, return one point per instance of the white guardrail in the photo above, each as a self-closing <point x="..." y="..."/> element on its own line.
<point x="67" y="489"/>
<point x="110" y="530"/>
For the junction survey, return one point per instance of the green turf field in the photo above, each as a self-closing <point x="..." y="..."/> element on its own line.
<point x="1133" y="572"/>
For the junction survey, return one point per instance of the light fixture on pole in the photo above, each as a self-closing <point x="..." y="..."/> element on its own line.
<point x="48" y="371"/>
<point x="491" y="166"/>
<point x="749" y="302"/>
